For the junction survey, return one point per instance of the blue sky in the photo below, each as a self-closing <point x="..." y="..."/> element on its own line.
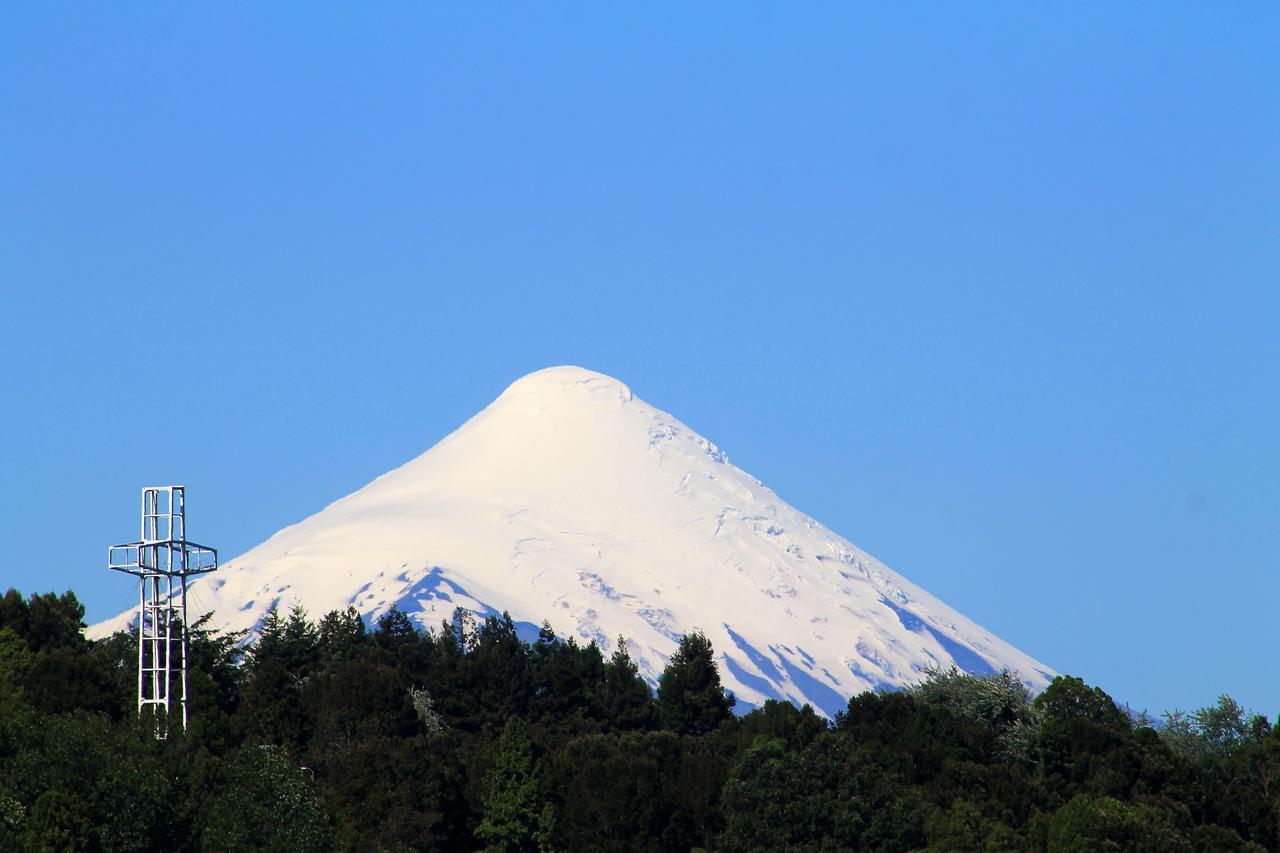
<point x="991" y="290"/>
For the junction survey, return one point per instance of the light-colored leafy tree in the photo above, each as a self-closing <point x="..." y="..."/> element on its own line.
<point x="1214" y="731"/>
<point x="424" y="706"/>
<point x="1000" y="701"/>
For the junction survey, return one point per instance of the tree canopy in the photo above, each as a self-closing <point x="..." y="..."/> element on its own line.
<point x="339" y="735"/>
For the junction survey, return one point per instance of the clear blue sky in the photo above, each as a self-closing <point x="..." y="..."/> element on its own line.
<point x="990" y="289"/>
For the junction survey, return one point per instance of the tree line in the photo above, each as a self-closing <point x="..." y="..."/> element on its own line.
<point x="337" y="735"/>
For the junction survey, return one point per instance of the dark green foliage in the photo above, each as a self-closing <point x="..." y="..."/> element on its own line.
<point x="341" y="635"/>
<point x="60" y="822"/>
<point x="691" y="699"/>
<point x="81" y="765"/>
<point x="65" y="678"/>
<point x="613" y="791"/>
<point x="515" y="816"/>
<point x="15" y="662"/>
<point x="1068" y="698"/>
<point x="395" y="630"/>
<point x="293" y="643"/>
<point x="52" y="622"/>
<point x="1086" y="742"/>
<point x="833" y="794"/>
<point x="866" y="784"/>
<point x="15" y="614"/>
<point x="213" y="682"/>
<point x="329" y="736"/>
<point x="567" y="684"/>
<point x="777" y="720"/>
<point x="1209" y="838"/>
<point x="362" y="698"/>
<point x="636" y="790"/>
<point x="627" y="699"/>
<point x="498" y="674"/>
<point x="271" y="710"/>
<point x="57" y="673"/>
<point x="398" y="793"/>
<point x="964" y="827"/>
<point x="266" y="802"/>
<point x="1090" y="823"/>
<point x="1236" y="755"/>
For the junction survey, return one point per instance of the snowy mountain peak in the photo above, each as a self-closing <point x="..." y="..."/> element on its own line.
<point x="568" y="384"/>
<point x="571" y="500"/>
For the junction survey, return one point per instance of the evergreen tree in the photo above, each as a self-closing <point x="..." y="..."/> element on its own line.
<point x="780" y="720"/>
<point x="497" y="674"/>
<point x="395" y="630"/>
<point x="214" y="679"/>
<point x="368" y="696"/>
<point x="300" y="644"/>
<point x="568" y="684"/>
<point x="55" y="622"/>
<point x="402" y="768"/>
<point x="627" y="700"/>
<point x="270" y="641"/>
<point x="515" y="817"/>
<point x="271" y="710"/>
<point x="690" y="698"/>
<point x="341" y="635"/>
<point x="1069" y="698"/>
<point x="15" y="614"/>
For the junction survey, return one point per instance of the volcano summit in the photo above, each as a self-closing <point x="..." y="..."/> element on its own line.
<point x="569" y="499"/>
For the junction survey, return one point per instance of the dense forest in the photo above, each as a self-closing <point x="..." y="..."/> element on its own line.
<point x="334" y="735"/>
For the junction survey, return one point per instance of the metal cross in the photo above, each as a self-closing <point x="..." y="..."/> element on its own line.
<point x="160" y="557"/>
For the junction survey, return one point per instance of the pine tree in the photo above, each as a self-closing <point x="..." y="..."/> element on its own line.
<point x="55" y="621"/>
<point x="568" y="683"/>
<point x="627" y="700"/>
<point x="395" y="630"/>
<point x="497" y="673"/>
<point x="691" y="699"/>
<point x="515" y="818"/>
<point x="301" y="643"/>
<point x="270" y="642"/>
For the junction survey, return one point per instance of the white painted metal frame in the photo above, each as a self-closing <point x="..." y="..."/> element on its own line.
<point x="162" y="556"/>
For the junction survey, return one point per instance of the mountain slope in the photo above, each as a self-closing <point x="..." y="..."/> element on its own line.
<point x="571" y="500"/>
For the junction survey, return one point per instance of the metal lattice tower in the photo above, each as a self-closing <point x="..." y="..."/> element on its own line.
<point x="162" y="556"/>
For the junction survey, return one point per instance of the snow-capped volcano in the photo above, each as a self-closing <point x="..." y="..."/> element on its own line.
<point x="571" y="500"/>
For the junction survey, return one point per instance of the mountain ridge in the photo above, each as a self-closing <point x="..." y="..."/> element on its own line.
<point x="571" y="500"/>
